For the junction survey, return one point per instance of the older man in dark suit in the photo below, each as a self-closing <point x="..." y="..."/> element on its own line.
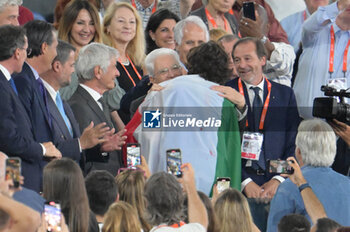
<point x="16" y="133"/>
<point x="96" y="69"/>
<point x="65" y="127"/>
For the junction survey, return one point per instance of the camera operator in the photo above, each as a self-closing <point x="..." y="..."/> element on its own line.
<point x="342" y="159"/>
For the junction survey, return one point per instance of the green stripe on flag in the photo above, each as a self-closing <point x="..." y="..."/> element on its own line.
<point x="229" y="146"/>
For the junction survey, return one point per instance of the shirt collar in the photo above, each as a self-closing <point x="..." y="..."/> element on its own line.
<point x="260" y="85"/>
<point x="36" y="74"/>
<point x="50" y="89"/>
<point x="5" y="72"/>
<point x="94" y="94"/>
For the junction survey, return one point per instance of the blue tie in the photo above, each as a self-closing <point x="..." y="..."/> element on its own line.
<point x="60" y="107"/>
<point x="13" y="85"/>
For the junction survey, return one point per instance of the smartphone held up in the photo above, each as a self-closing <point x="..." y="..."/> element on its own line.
<point x="133" y="155"/>
<point x="13" y="170"/>
<point x="174" y="162"/>
<point x="280" y="167"/>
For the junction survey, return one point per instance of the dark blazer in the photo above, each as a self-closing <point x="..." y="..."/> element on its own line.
<point x="16" y="135"/>
<point x="68" y="145"/>
<point x="30" y="95"/>
<point x="230" y="18"/>
<point x="342" y="158"/>
<point x="85" y="110"/>
<point x="280" y="128"/>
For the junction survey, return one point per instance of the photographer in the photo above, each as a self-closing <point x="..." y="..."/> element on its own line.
<point x="315" y="152"/>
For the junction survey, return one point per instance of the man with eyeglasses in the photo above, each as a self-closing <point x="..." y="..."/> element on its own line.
<point x="162" y="64"/>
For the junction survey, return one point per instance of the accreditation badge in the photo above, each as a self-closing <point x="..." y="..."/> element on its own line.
<point x="251" y="145"/>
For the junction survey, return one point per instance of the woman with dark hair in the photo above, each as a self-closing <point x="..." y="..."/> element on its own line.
<point x="63" y="181"/>
<point x="159" y="31"/>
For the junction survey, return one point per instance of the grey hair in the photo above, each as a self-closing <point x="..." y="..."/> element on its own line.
<point x="164" y="199"/>
<point x="317" y="143"/>
<point x="179" y="27"/>
<point x="152" y="56"/>
<point x="63" y="51"/>
<point x="4" y="3"/>
<point x="92" y="55"/>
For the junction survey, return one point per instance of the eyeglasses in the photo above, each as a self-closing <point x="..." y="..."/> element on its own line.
<point x="174" y="69"/>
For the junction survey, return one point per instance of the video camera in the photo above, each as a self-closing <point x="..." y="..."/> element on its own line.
<point x="329" y="107"/>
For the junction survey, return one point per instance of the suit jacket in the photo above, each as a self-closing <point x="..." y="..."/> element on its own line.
<point x="68" y="145"/>
<point x="342" y="158"/>
<point x="16" y="135"/>
<point x="85" y="110"/>
<point x="30" y="95"/>
<point x="280" y="127"/>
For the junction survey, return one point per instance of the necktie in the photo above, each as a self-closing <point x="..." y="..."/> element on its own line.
<point x="13" y="85"/>
<point x="257" y="109"/>
<point x="44" y="96"/>
<point x="60" y="107"/>
<point x="106" y="112"/>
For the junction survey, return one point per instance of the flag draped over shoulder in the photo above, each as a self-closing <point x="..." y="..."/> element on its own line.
<point x="212" y="145"/>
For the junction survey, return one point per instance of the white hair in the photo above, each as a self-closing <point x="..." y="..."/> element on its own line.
<point x="317" y="143"/>
<point x="92" y="55"/>
<point x="179" y="27"/>
<point x="152" y="56"/>
<point x="4" y="3"/>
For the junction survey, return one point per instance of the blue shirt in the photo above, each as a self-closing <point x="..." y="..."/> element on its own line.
<point x="314" y="61"/>
<point x="331" y="188"/>
<point x="293" y="25"/>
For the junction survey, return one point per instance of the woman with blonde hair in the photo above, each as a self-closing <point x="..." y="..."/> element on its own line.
<point x="122" y="29"/>
<point x="233" y="213"/>
<point x="121" y="217"/>
<point x="130" y="189"/>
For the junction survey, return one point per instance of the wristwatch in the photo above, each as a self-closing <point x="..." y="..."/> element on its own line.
<point x="263" y="39"/>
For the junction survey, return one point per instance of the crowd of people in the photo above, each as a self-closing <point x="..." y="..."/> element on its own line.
<point x="229" y="92"/>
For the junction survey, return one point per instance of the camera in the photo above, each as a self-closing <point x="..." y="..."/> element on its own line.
<point x="329" y="107"/>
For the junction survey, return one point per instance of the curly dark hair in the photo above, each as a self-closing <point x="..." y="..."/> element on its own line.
<point x="153" y="23"/>
<point x="209" y="61"/>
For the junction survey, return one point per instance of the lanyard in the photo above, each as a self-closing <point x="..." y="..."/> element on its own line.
<point x="212" y="21"/>
<point x="153" y="9"/>
<point x="331" y="55"/>
<point x="127" y="73"/>
<point x="176" y="225"/>
<point x="230" y="12"/>
<point x="266" y="104"/>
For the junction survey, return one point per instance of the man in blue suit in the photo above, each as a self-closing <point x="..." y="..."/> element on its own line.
<point x="66" y="128"/>
<point x="16" y="132"/>
<point x="272" y="120"/>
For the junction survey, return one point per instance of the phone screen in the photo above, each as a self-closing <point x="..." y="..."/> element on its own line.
<point x="13" y="170"/>
<point x="222" y="183"/>
<point x="133" y="152"/>
<point x="53" y="216"/>
<point x="174" y="162"/>
<point x="249" y="10"/>
<point x="280" y="167"/>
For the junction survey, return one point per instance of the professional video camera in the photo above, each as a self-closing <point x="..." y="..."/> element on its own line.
<point x="329" y="107"/>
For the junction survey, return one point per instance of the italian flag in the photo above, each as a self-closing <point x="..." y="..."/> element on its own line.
<point x="209" y="141"/>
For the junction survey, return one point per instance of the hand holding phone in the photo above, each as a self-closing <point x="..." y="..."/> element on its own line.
<point x="174" y="162"/>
